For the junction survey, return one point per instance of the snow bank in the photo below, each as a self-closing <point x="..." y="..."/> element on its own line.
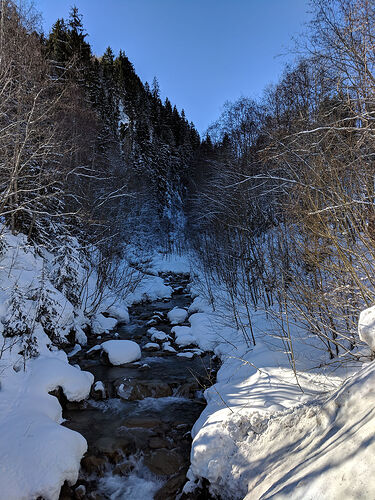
<point x="177" y="315"/>
<point x="121" y="351"/>
<point x="306" y="452"/>
<point x="38" y="454"/>
<point x="263" y="435"/>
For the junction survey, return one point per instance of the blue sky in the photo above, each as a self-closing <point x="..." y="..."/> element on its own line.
<point x="203" y="52"/>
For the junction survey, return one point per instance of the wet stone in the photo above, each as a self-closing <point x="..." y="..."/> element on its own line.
<point x="164" y="462"/>
<point x="135" y="390"/>
<point x="144" y="422"/>
<point x="93" y="464"/>
<point x="80" y="492"/>
<point x="115" y="447"/>
<point x="171" y="488"/>
<point x="158" y="442"/>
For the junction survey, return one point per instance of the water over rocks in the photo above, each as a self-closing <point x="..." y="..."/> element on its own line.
<point x="137" y="421"/>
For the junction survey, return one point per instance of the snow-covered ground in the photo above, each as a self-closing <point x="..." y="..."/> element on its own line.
<point x="270" y="432"/>
<point x="266" y="431"/>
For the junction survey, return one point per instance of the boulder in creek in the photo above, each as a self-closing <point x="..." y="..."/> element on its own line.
<point x="135" y="390"/>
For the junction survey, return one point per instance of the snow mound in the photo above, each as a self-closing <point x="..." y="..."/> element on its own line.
<point x="121" y="351"/>
<point x="150" y="288"/>
<point x="101" y="324"/>
<point x="38" y="454"/>
<point x="242" y="449"/>
<point x="183" y="335"/>
<point x="366" y="327"/>
<point x="177" y="315"/>
<point x="199" y="304"/>
<point x="157" y="335"/>
<point x="168" y="348"/>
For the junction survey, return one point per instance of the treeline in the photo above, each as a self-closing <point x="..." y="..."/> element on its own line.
<point x="286" y="216"/>
<point x="87" y="149"/>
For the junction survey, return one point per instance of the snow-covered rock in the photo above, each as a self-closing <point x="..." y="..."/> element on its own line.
<point x="188" y="355"/>
<point x="151" y="346"/>
<point x="121" y="351"/>
<point x="121" y="313"/>
<point x="157" y="335"/>
<point x="199" y="305"/>
<point x="101" y="324"/>
<point x="177" y="315"/>
<point x="99" y="387"/>
<point x="168" y="348"/>
<point x="183" y="335"/>
<point x="366" y="327"/>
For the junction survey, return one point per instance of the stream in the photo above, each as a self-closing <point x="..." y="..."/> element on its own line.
<point x="139" y="439"/>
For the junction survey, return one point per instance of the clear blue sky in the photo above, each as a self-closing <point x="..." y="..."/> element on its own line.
<point x="203" y="52"/>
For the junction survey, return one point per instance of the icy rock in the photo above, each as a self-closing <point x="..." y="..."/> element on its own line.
<point x="177" y="315"/>
<point x="74" y="351"/>
<point x="366" y="327"/>
<point x="134" y="390"/>
<point x="121" y="351"/>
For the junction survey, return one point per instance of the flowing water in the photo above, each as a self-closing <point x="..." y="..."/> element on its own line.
<point x="139" y="444"/>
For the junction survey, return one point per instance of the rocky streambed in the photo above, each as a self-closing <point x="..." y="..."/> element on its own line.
<point x="137" y="422"/>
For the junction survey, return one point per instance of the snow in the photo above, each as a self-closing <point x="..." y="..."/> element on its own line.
<point x="101" y="324"/>
<point x="186" y="354"/>
<point x="151" y="346"/>
<point x="324" y="442"/>
<point x="157" y="335"/>
<point x="38" y="454"/>
<point x="183" y="335"/>
<point x="164" y="263"/>
<point x="121" y="351"/>
<point x="99" y="386"/>
<point x="177" y="315"/>
<point x="366" y="327"/>
<point x="150" y="288"/>
<point x="167" y="347"/>
<point x="261" y="436"/>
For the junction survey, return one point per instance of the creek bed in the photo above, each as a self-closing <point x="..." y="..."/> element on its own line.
<point x="139" y="446"/>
